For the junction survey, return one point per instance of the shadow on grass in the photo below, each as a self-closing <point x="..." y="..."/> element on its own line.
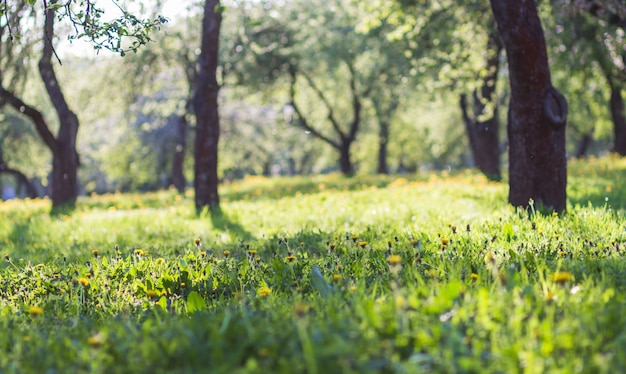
<point x="224" y="222"/>
<point x="604" y="189"/>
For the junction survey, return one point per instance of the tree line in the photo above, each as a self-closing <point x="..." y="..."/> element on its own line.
<point x="338" y="69"/>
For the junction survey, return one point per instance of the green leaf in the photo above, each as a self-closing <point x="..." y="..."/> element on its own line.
<point x="195" y="303"/>
<point x="319" y="283"/>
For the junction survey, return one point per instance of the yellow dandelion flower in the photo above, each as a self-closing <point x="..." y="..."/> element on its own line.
<point x="336" y="277"/>
<point x="353" y="288"/>
<point x="252" y="252"/>
<point x="35" y="311"/>
<point x="445" y="241"/>
<point x="394" y="260"/>
<point x="198" y="242"/>
<point x="183" y="284"/>
<point x="88" y="275"/>
<point x="84" y="282"/>
<point x="354" y="238"/>
<point x="362" y="244"/>
<point x="95" y="340"/>
<point x="474" y="276"/>
<point x="258" y="259"/>
<point x="264" y="291"/>
<point x="226" y="253"/>
<point x="95" y="253"/>
<point x="139" y="252"/>
<point x="152" y="293"/>
<point x="332" y="246"/>
<point x="562" y="276"/>
<point x="291" y="258"/>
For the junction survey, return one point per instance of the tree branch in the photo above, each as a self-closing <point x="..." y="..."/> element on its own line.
<point x="331" y="114"/>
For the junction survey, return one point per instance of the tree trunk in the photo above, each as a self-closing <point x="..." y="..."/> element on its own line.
<point x="583" y="146"/>
<point x="383" y="136"/>
<point x="484" y="141"/>
<point x="537" y="111"/>
<point x="619" y="120"/>
<point x="64" y="187"/>
<point x="21" y="179"/>
<point x="345" y="162"/>
<point x="178" y="174"/>
<point x="205" y="108"/>
<point x="484" y="134"/>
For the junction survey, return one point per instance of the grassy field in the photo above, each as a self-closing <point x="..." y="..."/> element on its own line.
<point x="370" y="274"/>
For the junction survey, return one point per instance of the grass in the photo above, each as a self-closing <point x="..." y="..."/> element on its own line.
<point x="377" y="274"/>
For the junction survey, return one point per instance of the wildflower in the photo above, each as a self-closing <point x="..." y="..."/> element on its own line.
<point x="445" y="241"/>
<point x="140" y="252"/>
<point x="562" y="276"/>
<point x="362" y="244"/>
<point x="301" y="309"/>
<point x="95" y="340"/>
<point x="202" y="254"/>
<point x="533" y="225"/>
<point x="226" y="253"/>
<point x="258" y="259"/>
<point x="453" y="229"/>
<point x="95" y="253"/>
<point x="84" y="282"/>
<point x="415" y="243"/>
<point x="336" y="277"/>
<point x="474" y="276"/>
<point x="264" y="291"/>
<point x="252" y="252"/>
<point x="183" y="284"/>
<point x="35" y="311"/>
<point x="394" y="260"/>
<point x="152" y="293"/>
<point x="353" y="288"/>
<point x="332" y="246"/>
<point x="56" y="275"/>
<point x="198" y="242"/>
<point x="88" y="275"/>
<point x="290" y="258"/>
<point x="6" y="257"/>
<point x="354" y="238"/>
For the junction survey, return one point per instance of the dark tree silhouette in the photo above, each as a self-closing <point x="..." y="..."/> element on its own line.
<point x="537" y="111"/>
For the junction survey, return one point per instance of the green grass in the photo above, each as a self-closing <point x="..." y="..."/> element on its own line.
<point x="320" y="275"/>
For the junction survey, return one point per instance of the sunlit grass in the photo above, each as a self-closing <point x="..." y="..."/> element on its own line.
<point x="373" y="274"/>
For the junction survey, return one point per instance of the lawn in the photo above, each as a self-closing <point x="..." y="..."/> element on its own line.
<point x="427" y="273"/>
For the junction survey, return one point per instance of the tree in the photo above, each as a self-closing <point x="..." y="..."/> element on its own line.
<point x="482" y="125"/>
<point x="64" y="184"/>
<point x="206" y="111"/>
<point x="537" y="111"/>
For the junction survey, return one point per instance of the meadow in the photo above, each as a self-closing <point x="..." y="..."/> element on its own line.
<point x="422" y="273"/>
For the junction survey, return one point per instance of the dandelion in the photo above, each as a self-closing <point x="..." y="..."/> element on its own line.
<point x="198" y="242"/>
<point x="415" y="243"/>
<point x="336" y="277"/>
<point x="474" y="276"/>
<point x="252" y="252"/>
<point x="95" y="340"/>
<point x="354" y="238"/>
<point x="35" y="311"/>
<point x="152" y="293"/>
<point x="84" y="282"/>
<point x="453" y="229"/>
<point x="394" y="260"/>
<point x="88" y="275"/>
<point x="226" y="253"/>
<point x="362" y="244"/>
<point x="300" y="309"/>
<point x="290" y="258"/>
<point x="95" y="253"/>
<point x="445" y="241"/>
<point x="183" y="284"/>
<point x="332" y="246"/>
<point x="258" y="259"/>
<point x="562" y="276"/>
<point x="140" y="252"/>
<point x="264" y="291"/>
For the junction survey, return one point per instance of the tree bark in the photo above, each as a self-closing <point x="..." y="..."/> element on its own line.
<point x="583" y="146"/>
<point x="383" y="139"/>
<point x="483" y="134"/>
<point x="65" y="162"/>
<point x="178" y="161"/>
<point x="537" y="111"/>
<point x="206" y="110"/>
<point x="619" y="120"/>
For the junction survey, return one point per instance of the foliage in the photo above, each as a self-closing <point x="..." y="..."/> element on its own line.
<point x="334" y="274"/>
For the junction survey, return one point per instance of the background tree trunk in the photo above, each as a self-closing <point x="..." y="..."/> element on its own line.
<point x="205" y="108"/>
<point x="537" y="111"/>
<point x="64" y="187"/>
<point x="619" y="119"/>
<point x="483" y="134"/>
<point x="178" y="161"/>
<point x="383" y="140"/>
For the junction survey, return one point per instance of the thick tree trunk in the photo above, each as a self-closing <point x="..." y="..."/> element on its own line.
<point x="619" y="120"/>
<point x="537" y="111"/>
<point x="64" y="187"/>
<point x="178" y="174"/>
<point x="383" y="136"/>
<point x="205" y="108"/>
